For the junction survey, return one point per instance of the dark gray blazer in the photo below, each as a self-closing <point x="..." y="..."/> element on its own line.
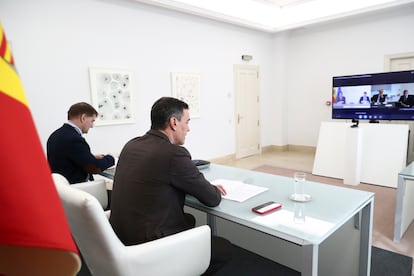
<point x="151" y="181"/>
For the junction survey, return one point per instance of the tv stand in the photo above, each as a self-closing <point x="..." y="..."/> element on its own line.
<point x="356" y="123"/>
<point x="373" y="121"/>
<point x="370" y="153"/>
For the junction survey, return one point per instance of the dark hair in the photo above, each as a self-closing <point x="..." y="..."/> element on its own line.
<point x="81" y="108"/>
<point x="165" y="108"/>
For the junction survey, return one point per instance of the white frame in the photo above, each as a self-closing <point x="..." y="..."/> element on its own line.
<point x="187" y="87"/>
<point x="112" y="96"/>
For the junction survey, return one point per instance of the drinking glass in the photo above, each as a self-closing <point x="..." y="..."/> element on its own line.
<point x="299" y="193"/>
<point x="299" y="213"/>
<point x="300" y="179"/>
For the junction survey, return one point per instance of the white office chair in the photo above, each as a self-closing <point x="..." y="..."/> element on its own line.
<point x="181" y="254"/>
<point x="96" y="188"/>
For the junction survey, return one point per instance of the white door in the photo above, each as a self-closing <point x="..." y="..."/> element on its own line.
<point x="246" y="83"/>
<point x="402" y="62"/>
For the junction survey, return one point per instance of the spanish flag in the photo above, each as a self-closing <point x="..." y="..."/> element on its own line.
<point x="34" y="234"/>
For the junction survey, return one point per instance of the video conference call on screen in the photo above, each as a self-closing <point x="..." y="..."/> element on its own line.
<point x="379" y="96"/>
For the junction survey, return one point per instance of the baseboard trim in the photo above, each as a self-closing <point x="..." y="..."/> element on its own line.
<point x="307" y="149"/>
<point x="273" y="148"/>
<point x="224" y="159"/>
<point x="267" y="149"/>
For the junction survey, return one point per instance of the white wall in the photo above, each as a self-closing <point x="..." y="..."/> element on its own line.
<point x="54" y="43"/>
<point x="353" y="46"/>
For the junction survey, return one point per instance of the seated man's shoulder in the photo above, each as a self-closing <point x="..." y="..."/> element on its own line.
<point x="180" y="150"/>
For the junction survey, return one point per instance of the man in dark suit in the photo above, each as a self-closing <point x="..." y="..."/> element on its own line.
<point x="67" y="151"/>
<point x="364" y="98"/>
<point x="379" y="98"/>
<point x="406" y="100"/>
<point x="153" y="175"/>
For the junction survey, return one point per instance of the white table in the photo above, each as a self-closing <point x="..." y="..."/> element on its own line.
<point x="404" y="210"/>
<point x="330" y="208"/>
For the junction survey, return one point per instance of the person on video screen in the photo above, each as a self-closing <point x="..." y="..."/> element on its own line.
<point x="364" y="98"/>
<point x="406" y="100"/>
<point x="379" y="98"/>
<point x="340" y="99"/>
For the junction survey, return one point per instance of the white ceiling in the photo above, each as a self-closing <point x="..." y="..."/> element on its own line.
<point x="275" y="15"/>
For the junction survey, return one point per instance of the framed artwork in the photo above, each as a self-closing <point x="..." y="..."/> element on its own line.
<point x="186" y="87"/>
<point x="112" y="96"/>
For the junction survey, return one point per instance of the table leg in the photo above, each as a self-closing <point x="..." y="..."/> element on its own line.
<point x="366" y="239"/>
<point x="211" y="221"/>
<point x="310" y="258"/>
<point x="399" y="209"/>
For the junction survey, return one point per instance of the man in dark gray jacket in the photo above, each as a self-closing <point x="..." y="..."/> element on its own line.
<point x="153" y="175"/>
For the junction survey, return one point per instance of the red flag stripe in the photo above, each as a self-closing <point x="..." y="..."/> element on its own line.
<point x="21" y="145"/>
<point x="29" y="191"/>
<point x="3" y="44"/>
<point x="33" y="229"/>
<point x="5" y="51"/>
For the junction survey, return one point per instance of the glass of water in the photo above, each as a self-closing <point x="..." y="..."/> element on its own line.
<point x="299" y="193"/>
<point x="299" y="213"/>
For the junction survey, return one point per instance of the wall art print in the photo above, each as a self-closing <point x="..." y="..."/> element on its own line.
<point x="186" y="87"/>
<point x="112" y="95"/>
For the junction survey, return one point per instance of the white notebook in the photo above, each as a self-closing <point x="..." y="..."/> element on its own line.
<point x="237" y="190"/>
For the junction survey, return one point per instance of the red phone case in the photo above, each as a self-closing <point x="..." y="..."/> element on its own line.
<point x="266" y="207"/>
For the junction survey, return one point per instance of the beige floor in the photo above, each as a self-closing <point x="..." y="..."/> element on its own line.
<point x="303" y="161"/>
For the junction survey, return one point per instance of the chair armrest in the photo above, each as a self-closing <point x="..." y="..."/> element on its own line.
<point x="108" y="213"/>
<point x="96" y="188"/>
<point x="186" y="253"/>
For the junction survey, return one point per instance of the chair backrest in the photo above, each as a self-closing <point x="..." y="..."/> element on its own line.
<point x="96" y="188"/>
<point x="60" y="179"/>
<point x="183" y="254"/>
<point x="100" y="247"/>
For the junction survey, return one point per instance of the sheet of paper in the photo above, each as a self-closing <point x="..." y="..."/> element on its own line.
<point x="237" y="190"/>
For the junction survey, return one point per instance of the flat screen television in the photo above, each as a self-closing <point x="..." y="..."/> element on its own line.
<point x="374" y="97"/>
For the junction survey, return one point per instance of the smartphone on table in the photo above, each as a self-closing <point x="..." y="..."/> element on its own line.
<point x="266" y="208"/>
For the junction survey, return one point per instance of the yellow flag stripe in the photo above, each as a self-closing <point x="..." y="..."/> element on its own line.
<point x="8" y="54"/>
<point x="10" y="83"/>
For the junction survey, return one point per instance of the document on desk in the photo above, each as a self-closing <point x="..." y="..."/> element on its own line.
<point x="237" y="190"/>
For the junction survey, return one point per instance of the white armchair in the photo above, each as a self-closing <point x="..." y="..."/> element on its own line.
<point x="96" y="188"/>
<point x="181" y="254"/>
